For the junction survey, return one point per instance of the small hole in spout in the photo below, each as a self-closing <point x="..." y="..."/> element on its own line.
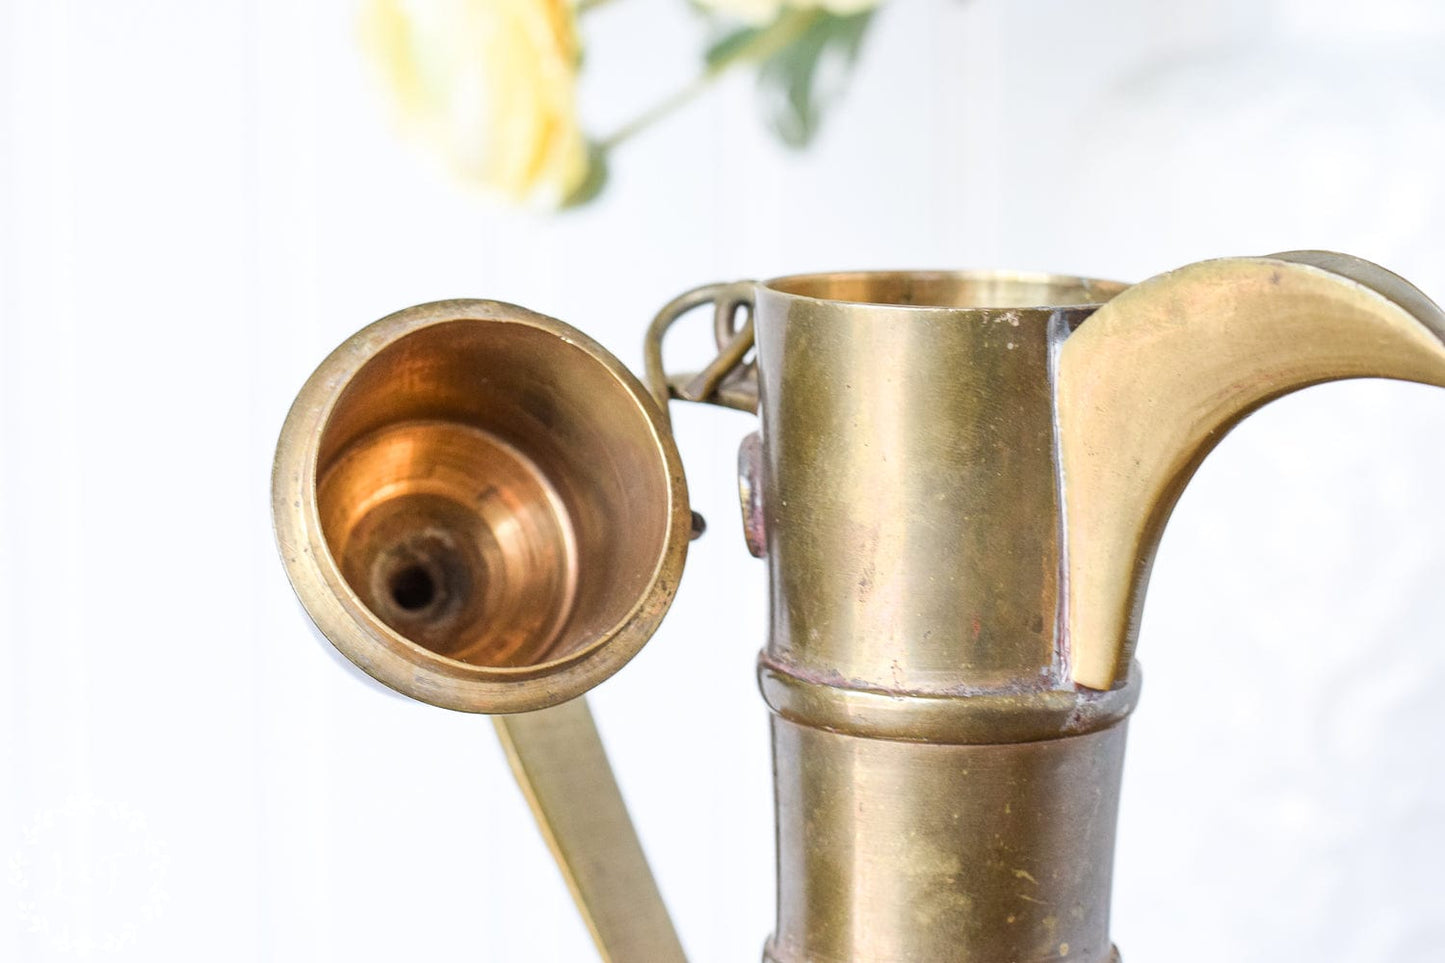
<point x="413" y="588"/>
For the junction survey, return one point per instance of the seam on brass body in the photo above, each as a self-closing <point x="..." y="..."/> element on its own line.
<point x="771" y="954"/>
<point x="989" y="718"/>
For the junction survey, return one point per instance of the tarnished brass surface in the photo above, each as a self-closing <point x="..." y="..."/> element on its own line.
<point x="985" y="717"/>
<point x="956" y="488"/>
<point x="909" y="494"/>
<point x="918" y="853"/>
<point x="485" y="578"/>
<point x="958" y="484"/>
<point x="562" y="768"/>
<point x="1151" y="383"/>
<point x="482" y="509"/>
<point x="944" y="792"/>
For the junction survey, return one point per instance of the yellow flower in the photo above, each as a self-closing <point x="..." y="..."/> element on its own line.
<point x="759" y="12"/>
<point x="491" y="84"/>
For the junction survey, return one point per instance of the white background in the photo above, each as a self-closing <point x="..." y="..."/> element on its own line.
<point x="198" y="200"/>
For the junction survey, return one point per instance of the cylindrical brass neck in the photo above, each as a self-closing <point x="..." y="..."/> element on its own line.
<point x="943" y="791"/>
<point x="910" y="484"/>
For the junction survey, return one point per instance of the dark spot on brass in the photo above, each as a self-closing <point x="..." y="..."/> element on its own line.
<point x="413" y="588"/>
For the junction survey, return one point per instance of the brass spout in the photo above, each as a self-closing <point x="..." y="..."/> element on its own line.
<point x="482" y="509"/>
<point x="1159" y="375"/>
<point x="961" y="482"/>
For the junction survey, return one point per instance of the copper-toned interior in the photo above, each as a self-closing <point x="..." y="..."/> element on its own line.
<point x="946" y="289"/>
<point x="492" y="493"/>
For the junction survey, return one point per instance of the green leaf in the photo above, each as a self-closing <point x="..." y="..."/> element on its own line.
<point x="727" y="48"/>
<point x="592" y="184"/>
<point x="802" y="79"/>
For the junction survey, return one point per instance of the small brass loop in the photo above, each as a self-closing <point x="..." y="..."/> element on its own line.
<point x="654" y="372"/>
<point x="729" y="379"/>
<point x="725" y="315"/>
<point x="739" y="396"/>
<point x="726" y="330"/>
<point x="726" y="381"/>
<point x="723" y="368"/>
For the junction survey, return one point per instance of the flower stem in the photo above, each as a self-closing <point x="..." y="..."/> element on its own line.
<point x="763" y="43"/>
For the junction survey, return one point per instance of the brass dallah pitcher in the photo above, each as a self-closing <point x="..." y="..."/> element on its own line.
<point x="959" y="484"/>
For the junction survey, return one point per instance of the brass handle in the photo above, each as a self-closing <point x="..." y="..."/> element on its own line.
<point x="562" y="768"/>
<point x="557" y="755"/>
<point x="1147" y="386"/>
<point x="730" y="379"/>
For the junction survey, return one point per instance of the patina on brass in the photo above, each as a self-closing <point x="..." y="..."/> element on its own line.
<point x="958" y="484"/>
<point x="1159" y="375"/>
<point x="943" y="791"/>
<point x="482" y="509"/>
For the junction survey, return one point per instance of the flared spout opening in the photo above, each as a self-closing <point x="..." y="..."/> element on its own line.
<point x="480" y="507"/>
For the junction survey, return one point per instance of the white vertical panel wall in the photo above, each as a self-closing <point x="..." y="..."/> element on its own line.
<point x="198" y="200"/>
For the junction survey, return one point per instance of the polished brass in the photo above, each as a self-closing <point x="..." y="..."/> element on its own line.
<point x="482" y="509"/>
<point x="958" y="484"/>
<point x="944" y="793"/>
<point x="913" y="851"/>
<point x="909" y="485"/>
<point x="558" y="759"/>
<point x="729" y="379"/>
<point x="1159" y="375"/>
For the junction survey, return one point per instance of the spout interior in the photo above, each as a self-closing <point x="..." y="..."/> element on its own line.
<point x="490" y="494"/>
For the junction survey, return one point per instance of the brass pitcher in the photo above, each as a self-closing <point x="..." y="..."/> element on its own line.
<point x="959" y="483"/>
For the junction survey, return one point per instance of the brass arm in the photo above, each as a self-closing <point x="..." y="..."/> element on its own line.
<point x="561" y="765"/>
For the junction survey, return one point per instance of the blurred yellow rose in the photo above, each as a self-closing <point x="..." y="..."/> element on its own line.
<point x="759" y="12"/>
<point x="491" y="84"/>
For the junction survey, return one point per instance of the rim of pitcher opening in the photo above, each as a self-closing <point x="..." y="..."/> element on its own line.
<point x="1074" y="291"/>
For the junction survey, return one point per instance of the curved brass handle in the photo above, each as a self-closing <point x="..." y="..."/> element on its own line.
<point x="1147" y="386"/>
<point x="730" y="379"/>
